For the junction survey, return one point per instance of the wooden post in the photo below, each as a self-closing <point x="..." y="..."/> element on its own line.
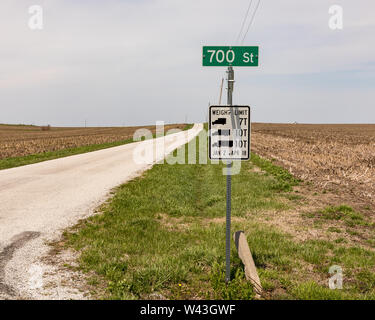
<point x="247" y="259"/>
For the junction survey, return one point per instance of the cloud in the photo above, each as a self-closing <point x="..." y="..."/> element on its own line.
<point x="114" y="62"/>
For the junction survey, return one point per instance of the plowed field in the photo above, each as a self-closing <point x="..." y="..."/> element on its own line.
<point x="333" y="157"/>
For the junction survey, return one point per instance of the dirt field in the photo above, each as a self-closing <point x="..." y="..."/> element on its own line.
<point x="336" y="158"/>
<point x="16" y="141"/>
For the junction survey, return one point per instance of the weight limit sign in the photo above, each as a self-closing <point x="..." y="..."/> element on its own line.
<point x="229" y="132"/>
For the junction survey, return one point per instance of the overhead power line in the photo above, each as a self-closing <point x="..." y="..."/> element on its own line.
<point x="251" y="22"/>
<point x="244" y="21"/>
<point x="241" y="30"/>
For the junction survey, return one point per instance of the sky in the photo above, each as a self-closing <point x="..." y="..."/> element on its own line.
<point x="134" y="62"/>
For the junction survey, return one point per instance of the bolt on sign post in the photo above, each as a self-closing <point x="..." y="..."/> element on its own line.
<point x="229" y="126"/>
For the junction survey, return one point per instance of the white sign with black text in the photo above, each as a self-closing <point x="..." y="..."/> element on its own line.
<point x="229" y="132"/>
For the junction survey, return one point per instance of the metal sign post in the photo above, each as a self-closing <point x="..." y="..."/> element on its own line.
<point x="229" y="126"/>
<point x="228" y="221"/>
<point x="229" y="185"/>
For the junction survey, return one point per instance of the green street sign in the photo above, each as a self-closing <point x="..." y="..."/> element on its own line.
<point x="219" y="56"/>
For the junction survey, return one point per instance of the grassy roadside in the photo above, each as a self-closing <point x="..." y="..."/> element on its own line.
<point x="34" y="158"/>
<point x="163" y="236"/>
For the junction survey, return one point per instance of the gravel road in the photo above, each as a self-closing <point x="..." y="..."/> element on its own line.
<point x="39" y="201"/>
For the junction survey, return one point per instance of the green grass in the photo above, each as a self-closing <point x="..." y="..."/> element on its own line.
<point x="132" y="246"/>
<point x="164" y="233"/>
<point x="35" y="158"/>
<point x="17" y="125"/>
<point x="334" y="229"/>
<point x="311" y="291"/>
<point x="285" y="180"/>
<point x="344" y="213"/>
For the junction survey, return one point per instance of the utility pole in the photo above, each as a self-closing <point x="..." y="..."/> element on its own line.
<point x="209" y="103"/>
<point x="221" y="90"/>
<point x="229" y="183"/>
